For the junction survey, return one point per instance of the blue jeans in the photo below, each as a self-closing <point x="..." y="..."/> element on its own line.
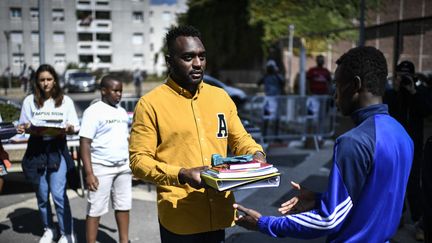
<point x="55" y="182"/>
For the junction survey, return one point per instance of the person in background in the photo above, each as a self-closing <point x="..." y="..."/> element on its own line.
<point x="24" y="78"/>
<point x="4" y="165"/>
<point x="47" y="159"/>
<point x="176" y="128"/>
<point x="371" y="163"/>
<point x="274" y="85"/>
<point x="410" y="103"/>
<point x="318" y="78"/>
<point x="32" y="79"/>
<point x="318" y="82"/>
<point x="4" y="162"/>
<point x="104" y="151"/>
<point x="137" y="81"/>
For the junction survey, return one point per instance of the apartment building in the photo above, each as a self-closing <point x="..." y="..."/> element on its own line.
<point x="97" y="34"/>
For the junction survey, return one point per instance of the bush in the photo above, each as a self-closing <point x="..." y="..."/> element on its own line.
<point x="9" y="113"/>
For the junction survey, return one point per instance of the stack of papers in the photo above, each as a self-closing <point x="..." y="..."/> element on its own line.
<point x="7" y="130"/>
<point x="47" y="128"/>
<point x="244" y="175"/>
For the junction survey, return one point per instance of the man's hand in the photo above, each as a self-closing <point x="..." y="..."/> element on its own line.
<point x="22" y="128"/>
<point x="69" y="129"/>
<point x="92" y="182"/>
<point x="304" y="201"/>
<point x="250" y="218"/>
<point x="259" y="156"/>
<point x="192" y="176"/>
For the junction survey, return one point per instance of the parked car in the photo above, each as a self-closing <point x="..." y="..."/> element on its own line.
<point x="80" y="82"/>
<point x="237" y="95"/>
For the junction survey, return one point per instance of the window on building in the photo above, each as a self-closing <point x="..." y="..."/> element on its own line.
<point x="16" y="37"/>
<point x="137" y="59"/>
<point x="15" y="13"/>
<point x="84" y="2"/>
<point x="151" y="47"/>
<point x="103" y="37"/>
<point x="102" y="2"/>
<point x="58" y="37"/>
<point x="84" y="16"/>
<point x="85" y="58"/>
<point x="85" y="37"/>
<point x="17" y="59"/>
<point x="104" y="47"/>
<point x="58" y="15"/>
<point x="151" y="30"/>
<point x="35" y="60"/>
<point x="166" y="16"/>
<point x="138" y="17"/>
<point x="137" y="38"/>
<point x="104" y="58"/>
<point x="59" y="59"/>
<point x="103" y="15"/>
<point x="34" y="14"/>
<point x="35" y="36"/>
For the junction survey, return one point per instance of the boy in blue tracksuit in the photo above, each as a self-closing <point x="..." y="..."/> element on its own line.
<point x="371" y="166"/>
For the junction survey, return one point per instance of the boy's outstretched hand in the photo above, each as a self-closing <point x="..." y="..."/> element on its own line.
<point x="250" y="218"/>
<point x="304" y="201"/>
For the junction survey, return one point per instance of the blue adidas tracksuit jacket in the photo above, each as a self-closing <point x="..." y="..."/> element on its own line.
<point x="366" y="189"/>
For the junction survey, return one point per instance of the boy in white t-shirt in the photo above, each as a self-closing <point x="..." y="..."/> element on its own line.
<point x="104" y="152"/>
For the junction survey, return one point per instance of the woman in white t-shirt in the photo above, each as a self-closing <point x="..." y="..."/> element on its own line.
<point x="47" y="159"/>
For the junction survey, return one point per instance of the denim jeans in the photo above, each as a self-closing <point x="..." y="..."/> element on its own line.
<point x="55" y="182"/>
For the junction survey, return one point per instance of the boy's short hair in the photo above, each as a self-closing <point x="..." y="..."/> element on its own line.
<point x="106" y="80"/>
<point x="369" y="64"/>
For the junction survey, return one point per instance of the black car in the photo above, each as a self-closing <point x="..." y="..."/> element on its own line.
<point x="80" y="82"/>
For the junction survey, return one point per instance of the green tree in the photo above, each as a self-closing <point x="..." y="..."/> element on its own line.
<point x="318" y="21"/>
<point x="230" y="41"/>
<point x="237" y="34"/>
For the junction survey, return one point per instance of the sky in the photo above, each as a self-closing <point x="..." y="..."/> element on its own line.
<point x="157" y="2"/>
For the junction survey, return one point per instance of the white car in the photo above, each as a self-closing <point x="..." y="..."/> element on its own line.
<point x="237" y="95"/>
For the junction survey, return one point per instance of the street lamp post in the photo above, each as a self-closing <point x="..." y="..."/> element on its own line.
<point x="362" y="23"/>
<point x="41" y="32"/>
<point x="20" y="58"/>
<point x="290" y="52"/>
<point x="7" y="35"/>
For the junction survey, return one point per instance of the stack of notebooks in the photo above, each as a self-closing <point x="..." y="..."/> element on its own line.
<point x="237" y="174"/>
<point x="47" y="127"/>
<point x="7" y="130"/>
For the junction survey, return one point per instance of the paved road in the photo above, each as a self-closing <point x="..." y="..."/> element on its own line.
<point x="19" y="221"/>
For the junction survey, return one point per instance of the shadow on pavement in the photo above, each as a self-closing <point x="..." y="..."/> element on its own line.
<point x="79" y="227"/>
<point x="26" y="220"/>
<point x="3" y="227"/>
<point x="15" y="183"/>
<point x="257" y="237"/>
<point x="290" y="160"/>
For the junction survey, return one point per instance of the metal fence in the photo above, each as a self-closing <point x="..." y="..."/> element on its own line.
<point x="292" y="116"/>
<point x="129" y="103"/>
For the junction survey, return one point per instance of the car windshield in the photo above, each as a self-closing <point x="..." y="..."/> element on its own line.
<point x="80" y="75"/>
<point x="213" y="81"/>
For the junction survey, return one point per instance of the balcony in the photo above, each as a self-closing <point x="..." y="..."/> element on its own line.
<point x="94" y="47"/>
<point x="90" y="4"/>
<point x="83" y="5"/>
<point x="98" y="25"/>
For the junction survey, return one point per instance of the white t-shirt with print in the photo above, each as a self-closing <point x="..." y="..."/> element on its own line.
<point x="107" y="127"/>
<point x="65" y="113"/>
